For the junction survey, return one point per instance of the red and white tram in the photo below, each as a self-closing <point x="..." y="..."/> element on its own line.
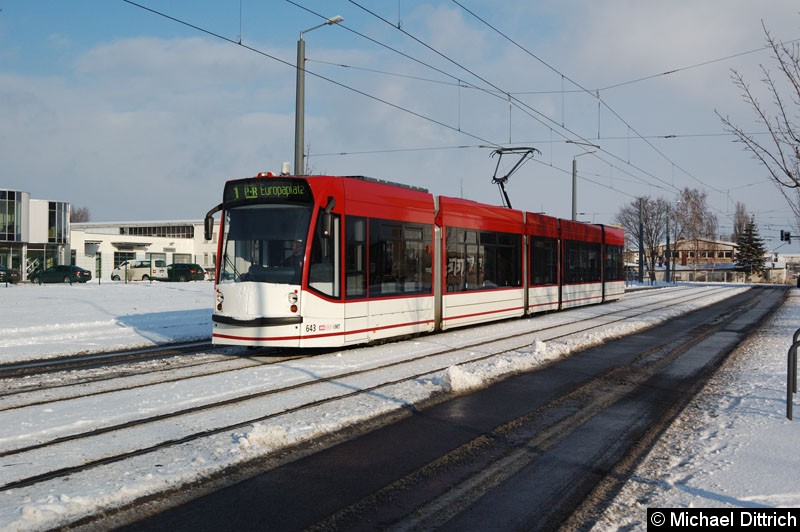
<point x="323" y="261"/>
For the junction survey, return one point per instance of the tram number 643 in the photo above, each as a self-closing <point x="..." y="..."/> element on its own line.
<point x="311" y="328"/>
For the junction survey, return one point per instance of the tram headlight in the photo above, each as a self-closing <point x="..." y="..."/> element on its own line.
<point x="220" y="298"/>
<point x="293" y="299"/>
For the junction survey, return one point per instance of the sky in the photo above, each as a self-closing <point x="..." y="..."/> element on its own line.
<point x="731" y="447"/>
<point x="142" y="111"/>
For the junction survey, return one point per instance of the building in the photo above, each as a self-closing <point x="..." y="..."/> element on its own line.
<point x="705" y="260"/>
<point x="102" y="246"/>
<point x="702" y="251"/>
<point x="34" y="233"/>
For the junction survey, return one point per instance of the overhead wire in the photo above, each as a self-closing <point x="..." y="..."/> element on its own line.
<point x="385" y="73"/>
<point x="516" y="102"/>
<point x="275" y="58"/>
<point x="329" y="80"/>
<point x="595" y="95"/>
<point x="378" y="43"/>
<point x="696" y="65"/>
<point x="545" y="120"/>
<point x="358" y="91"/>
<point x="459" y="80"/>
<point x="414" y="113"/>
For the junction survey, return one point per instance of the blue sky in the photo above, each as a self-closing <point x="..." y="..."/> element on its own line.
<point x="139" y="117"/>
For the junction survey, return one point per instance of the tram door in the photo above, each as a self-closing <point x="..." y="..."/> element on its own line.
<point x="324" y="318"/>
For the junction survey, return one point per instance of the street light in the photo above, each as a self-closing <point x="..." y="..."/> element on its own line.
<point x="299" y="113"/>
<point x="575" y="174"/>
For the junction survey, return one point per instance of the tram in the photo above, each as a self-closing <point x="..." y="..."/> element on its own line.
<point x="331" y="261"/>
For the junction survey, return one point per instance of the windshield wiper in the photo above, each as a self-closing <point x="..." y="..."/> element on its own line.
<point x="236" y="275"/>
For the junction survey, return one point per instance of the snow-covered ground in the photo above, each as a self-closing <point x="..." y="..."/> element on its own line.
<point x="731" y="447"/>
<point x="47" y="321"/>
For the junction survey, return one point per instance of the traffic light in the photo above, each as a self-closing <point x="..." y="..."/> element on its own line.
<point x="783" y="235"/>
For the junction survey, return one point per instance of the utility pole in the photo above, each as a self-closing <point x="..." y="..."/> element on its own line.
<point x="575" y="174"/>
<point x="641" y="243"/>
<point x="666" y="253"/>
<point x="300" y="98"/>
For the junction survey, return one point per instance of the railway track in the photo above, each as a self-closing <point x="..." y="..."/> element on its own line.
<point x="57" y="442"/>
<point x="124" y="370"/>
<point x="100" y="359"/>
<point x="541" y="450"/>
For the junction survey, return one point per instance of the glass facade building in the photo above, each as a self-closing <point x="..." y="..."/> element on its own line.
<point x="10" y="212"/>
<point x="34" y="234"/>
<point x="58" y="222"/>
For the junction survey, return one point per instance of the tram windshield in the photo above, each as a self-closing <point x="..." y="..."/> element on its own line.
<point x="265" y="243"/>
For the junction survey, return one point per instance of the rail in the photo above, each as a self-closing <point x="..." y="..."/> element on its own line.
<point x="791" y="373"/>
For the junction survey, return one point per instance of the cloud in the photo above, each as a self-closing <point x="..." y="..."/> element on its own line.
<point x="149" y="128"/>
<point x="145" y="121"/>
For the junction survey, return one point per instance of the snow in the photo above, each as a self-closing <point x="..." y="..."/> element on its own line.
<point x="49" y="321"/>
<point x="731" y="447"/>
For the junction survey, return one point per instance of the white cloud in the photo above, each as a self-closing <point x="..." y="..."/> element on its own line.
<point x="181" y="115"/>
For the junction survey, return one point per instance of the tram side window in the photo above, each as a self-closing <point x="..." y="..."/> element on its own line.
<point x="456" y="259"/>
<point x="615" y="266"/>
<point x="544" y="261"/>
<point x="323" y="270"/>
<point x="399" y="258"/>
<point x="583" y="262"/>
<point x="480" y="260"/>
<point x="355" y="257"/>
<point x="502" y="265"/>
<point x="418" y="259"/>
<point x="473" y="270"/>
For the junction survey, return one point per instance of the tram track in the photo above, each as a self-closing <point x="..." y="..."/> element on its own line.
<point x="316" y="390"/>
<point x="234" y="359"/>
<point x="542" y="461"/>
<point x="100" y="359"/>
<point x="94" y="370"/>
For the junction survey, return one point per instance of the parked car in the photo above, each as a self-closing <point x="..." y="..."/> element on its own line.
<point x="61" y="274"/>
<point x="185" y="272"/>
<point x="140" y="270"/>
<point x="7" y="275"/>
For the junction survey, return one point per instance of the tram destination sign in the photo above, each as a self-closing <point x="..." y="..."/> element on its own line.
<point x="266" y="190"/>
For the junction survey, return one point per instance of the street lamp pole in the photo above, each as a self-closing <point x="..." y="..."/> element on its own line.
<point x="575" y="184"/>
<point x="575" y="175"/>
<point x="300" y="96"/>
<point x="667" y="276"/>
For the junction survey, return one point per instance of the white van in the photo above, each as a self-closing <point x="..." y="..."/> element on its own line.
<point x="140" y="270"/>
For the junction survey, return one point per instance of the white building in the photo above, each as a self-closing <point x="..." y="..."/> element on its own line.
<point x="34" y="233"/>
<point x="102" y="246"/>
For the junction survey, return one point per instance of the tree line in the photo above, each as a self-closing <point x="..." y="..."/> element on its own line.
<point x="778" y="152"/>
<point x="649" y="223"/>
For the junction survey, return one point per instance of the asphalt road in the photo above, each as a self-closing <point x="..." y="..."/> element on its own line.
<point x="532" y="452"/>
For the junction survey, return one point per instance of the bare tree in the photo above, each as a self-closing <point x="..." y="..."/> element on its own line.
<point x="780" y="154"/>
<point x="653" y="219"/>
<point x="740" y="221"/>
<point x="79" y="215"/>
<point x="693" y="219"/>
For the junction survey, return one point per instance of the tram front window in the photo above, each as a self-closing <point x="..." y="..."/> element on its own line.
<point x="265" y="243"/>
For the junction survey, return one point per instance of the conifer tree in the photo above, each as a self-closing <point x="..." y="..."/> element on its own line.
<point x="751" y="250"/>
